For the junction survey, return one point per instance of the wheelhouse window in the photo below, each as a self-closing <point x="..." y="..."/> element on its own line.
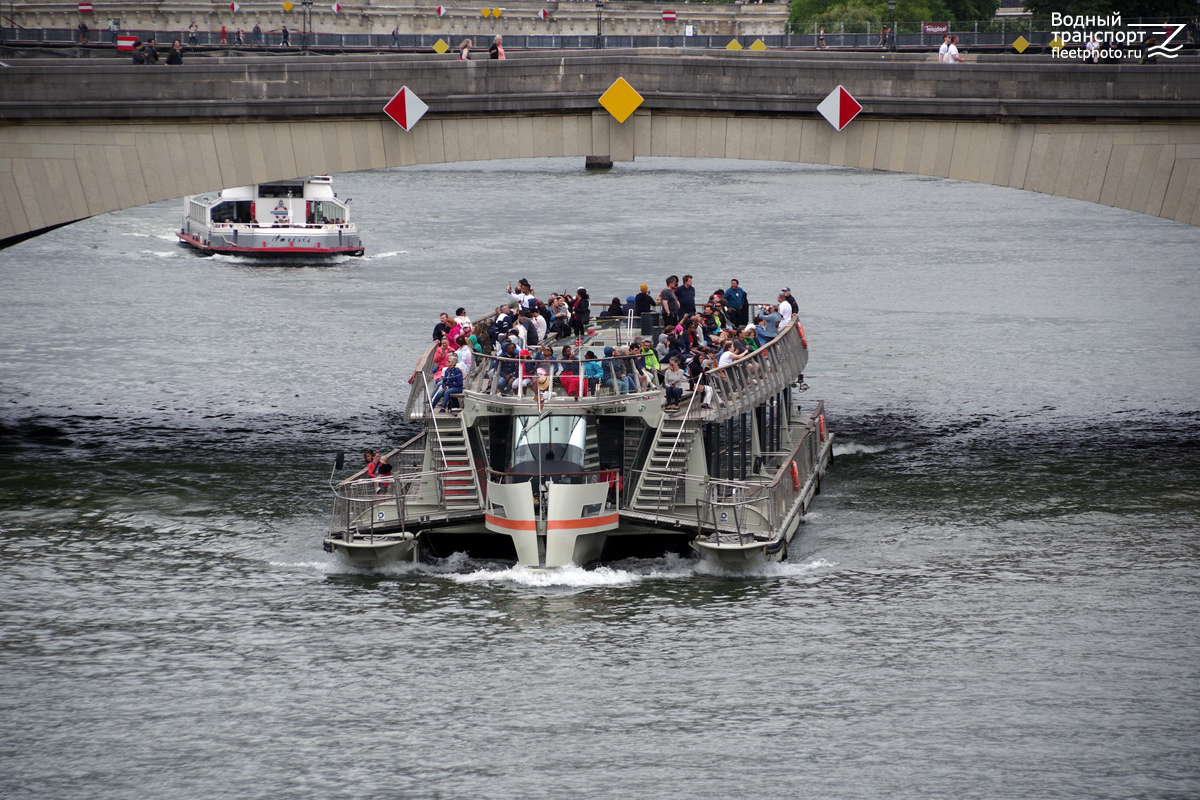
<point x="268" y="190"/>
<point x="555" y="444"/>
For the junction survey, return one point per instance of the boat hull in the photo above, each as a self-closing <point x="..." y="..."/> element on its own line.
<point x="373" y="552"/>
<point x="275" y="245"/>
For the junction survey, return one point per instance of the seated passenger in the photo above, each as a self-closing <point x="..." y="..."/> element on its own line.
<point x="452" y="383"/>
<point x="568" y="373"/>
<point x="613" y="310"/>
<point x="593" y="372"/>
<point x="674" y="379"/>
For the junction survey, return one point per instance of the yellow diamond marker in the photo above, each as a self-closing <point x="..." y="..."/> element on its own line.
<point x="487" y="12"/>
<point x="1056" y="44"/>
<point x="287" y="6"/>
<point x="440" y="46"/>
<point x="1020" y="45"/>
<point x="620" y="100"/>
<point x="496" y="12"/>
<point x="758" y="45"/>
<point x="733" y="45"/>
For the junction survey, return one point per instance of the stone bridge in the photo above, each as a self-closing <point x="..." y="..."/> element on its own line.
<point x="85" y="138"/>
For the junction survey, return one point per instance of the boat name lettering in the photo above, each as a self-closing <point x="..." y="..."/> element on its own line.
<point x="497" y="410"/>
<point x="616" y="411"/>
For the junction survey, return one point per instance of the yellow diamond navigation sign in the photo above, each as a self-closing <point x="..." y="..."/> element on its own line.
<point x="287" y="6"/>
<point x="1020" y="45"/>
<point x="758" y="45"/>
<point x="440" y="46"/>
<point x="734" y="44"/>
<point x="620" y="100"/>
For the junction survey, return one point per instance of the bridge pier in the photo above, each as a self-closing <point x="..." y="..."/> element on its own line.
<point x="598" y="162"/>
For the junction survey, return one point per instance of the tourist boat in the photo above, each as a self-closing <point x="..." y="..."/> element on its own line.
<point x="284" y="218"/>
<point x="556" y="470"/>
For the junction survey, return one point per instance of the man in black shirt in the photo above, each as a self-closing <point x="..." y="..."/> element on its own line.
<point x="443" y="327"/>
<point x="686" y="294"/>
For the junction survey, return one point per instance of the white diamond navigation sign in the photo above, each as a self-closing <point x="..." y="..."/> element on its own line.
<point x="839" y="108"/>
<point x="405" y="108"/>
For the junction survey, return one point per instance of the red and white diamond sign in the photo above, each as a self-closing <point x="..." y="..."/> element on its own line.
<point x="405" y="108"/>
<point x="839" y="108"/>
<point x="543" y="14"/>
<point x="337" y="8"/>
<point x="668" y="16"/>
<point x="441" y="12"/>
<point x="234" y="7"/>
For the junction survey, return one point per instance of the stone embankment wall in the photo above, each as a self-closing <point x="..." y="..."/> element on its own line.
<point x="462" y="19"/>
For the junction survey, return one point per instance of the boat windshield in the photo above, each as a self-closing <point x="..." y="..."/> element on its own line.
<point x="552" y="445"/>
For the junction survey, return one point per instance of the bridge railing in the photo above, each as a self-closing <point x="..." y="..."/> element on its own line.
<point x="991" y="34"/>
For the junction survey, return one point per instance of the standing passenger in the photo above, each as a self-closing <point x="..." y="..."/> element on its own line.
<point x="175" y="57"/>
<point x="581" y="314"/>
<point x="464" y="50"/>
<point x="686" y="294"/>
<point x="497" y="49"/>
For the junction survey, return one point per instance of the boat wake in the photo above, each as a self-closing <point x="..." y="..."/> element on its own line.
<point x="855" y="449"/>
<point x="459" y="568"/>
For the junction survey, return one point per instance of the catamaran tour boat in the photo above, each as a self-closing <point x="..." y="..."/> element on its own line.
<point x="555" y="470"/>
<point x="285" y="218"/>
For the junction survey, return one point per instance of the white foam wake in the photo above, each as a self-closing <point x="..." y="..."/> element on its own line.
<point x="853" y="449"/>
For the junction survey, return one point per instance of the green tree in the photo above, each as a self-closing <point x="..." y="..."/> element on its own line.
<point x="803" y="14"/>
<point x="1128" y="9"/>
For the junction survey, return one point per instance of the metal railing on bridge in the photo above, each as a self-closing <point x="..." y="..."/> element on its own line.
<point x="995" y="34"/>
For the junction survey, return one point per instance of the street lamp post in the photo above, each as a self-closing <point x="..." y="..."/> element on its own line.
<point x="307" y="4"/>
<point x="892" y="35"/>
<point x="599" y="24"/>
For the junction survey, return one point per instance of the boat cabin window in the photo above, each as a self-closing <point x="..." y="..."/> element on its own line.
<point x="321" y="212"/>
<point x="550" y="446"/>
<point x="232" y="211"/>
<point x="265" y="190"/>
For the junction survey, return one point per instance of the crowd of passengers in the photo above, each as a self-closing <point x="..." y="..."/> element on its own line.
<point x="695" y="340"/>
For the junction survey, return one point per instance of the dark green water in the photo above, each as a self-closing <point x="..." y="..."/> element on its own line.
<point x="996" y="595"/>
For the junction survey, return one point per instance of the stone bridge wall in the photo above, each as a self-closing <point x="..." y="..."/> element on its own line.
<point x="77" y="141"/>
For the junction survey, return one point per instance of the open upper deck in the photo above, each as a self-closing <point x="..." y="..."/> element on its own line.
<point x="614" y="383"/>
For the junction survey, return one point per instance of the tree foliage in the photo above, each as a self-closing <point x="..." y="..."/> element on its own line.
<point x="806" y="13"/>
<point x="1129" y="10"/>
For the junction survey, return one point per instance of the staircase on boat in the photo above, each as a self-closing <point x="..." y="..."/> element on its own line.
<point x="458" y="484"/>
<point x="668" y="459"/>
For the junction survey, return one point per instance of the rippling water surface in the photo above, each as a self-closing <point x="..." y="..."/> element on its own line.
<point x="995" y="596"/>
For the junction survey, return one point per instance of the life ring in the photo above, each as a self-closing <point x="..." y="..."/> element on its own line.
<point x="800" y="329"/>
<point x="821" y="420"/>
<point x="795" y="477"/>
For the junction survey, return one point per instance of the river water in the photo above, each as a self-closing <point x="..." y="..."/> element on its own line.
<point x="996" y="596"/>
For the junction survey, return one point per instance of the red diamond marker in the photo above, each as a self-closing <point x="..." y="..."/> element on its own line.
<point x="405" y="108"/>
<point x="839" y="108"/>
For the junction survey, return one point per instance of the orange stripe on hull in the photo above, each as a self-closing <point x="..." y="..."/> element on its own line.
<point x="552" y="525"/>
<point x="589" y="522"/>
<point x="511" y="524"/>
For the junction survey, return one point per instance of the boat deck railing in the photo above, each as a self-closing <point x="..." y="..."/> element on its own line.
<point x="720" y="506"/>
<point x="735" y="387"/>
<point x="361" y="505"/>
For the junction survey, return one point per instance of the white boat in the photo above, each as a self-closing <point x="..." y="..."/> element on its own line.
<point x="570" y="471"/>
<point x="285" y="218"/>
